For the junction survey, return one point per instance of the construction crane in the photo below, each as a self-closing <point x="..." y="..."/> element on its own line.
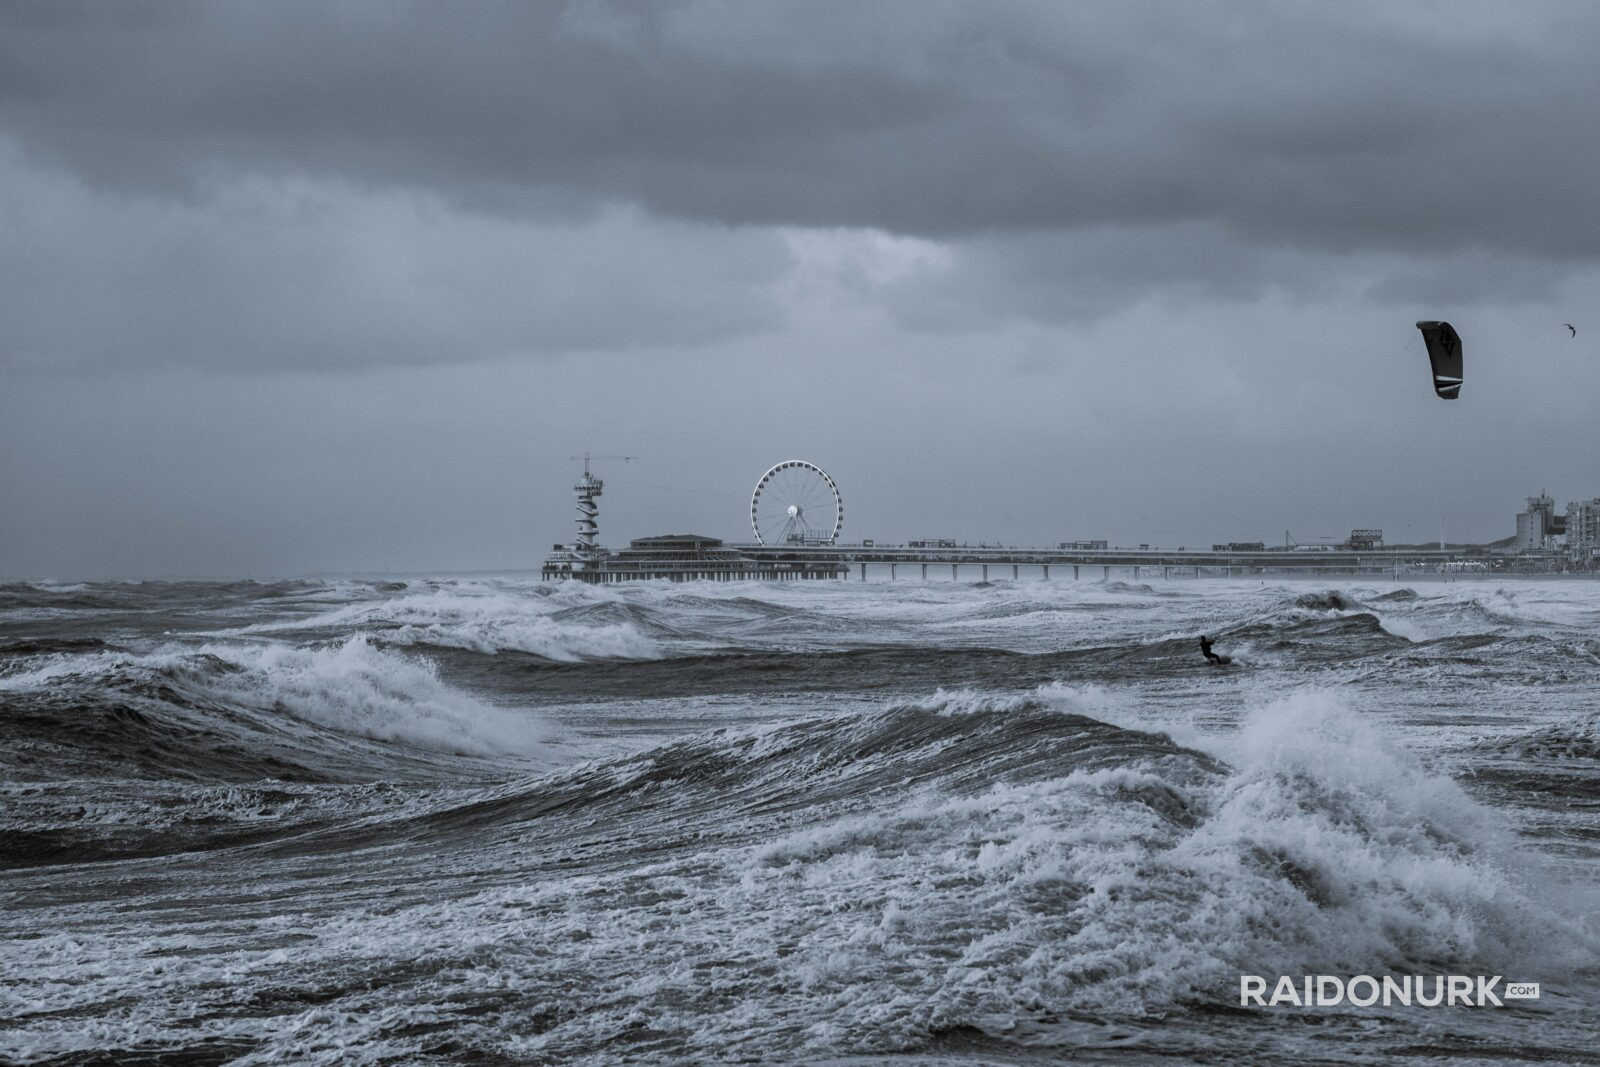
<point x="586" y="457"/>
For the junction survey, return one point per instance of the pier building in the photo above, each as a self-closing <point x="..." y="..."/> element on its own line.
<point x="681" y="558"/>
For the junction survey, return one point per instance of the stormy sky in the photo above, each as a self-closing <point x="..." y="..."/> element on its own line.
<point x="296" y="288"/>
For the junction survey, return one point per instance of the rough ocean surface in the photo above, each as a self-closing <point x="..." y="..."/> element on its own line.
<point x="489" y="820"/>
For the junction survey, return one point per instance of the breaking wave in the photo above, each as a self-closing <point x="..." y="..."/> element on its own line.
<point x="470" y="617"/>
<point x="247" y="710"/>
<point x="1578" y="739"/>
<point x="1331" y="600"/>
<point x="1000" y="865"/>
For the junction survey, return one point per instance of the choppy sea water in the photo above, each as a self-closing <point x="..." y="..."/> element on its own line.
<point x="489" y="820"/>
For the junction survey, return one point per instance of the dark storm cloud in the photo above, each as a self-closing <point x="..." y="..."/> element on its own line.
<point x="274" y="275"/>
<point x="1085" y="275"/>
<point x="1338" y="127"/>
<point x="480" y="101"/>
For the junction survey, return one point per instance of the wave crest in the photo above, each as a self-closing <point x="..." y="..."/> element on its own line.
<point x="261" y="710"/>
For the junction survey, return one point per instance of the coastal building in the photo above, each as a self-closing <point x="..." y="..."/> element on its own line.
<point x="1539" y="526"/>
<point x="1530" y="532"/>
<point x="678" y="557"/>
<point x="1583" y="528"/>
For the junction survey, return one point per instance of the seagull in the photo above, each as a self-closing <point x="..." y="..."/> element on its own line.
<point x="1571" y="327"/>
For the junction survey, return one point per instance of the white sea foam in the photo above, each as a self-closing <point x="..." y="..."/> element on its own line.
<point x="1326" y="847"/>
<point x="358" y="689"/>
<point x="806" y="921"/>
<point x="351" y="687"/>
<point x="1399" y="863"/>
<point x="485" y="618"/>
<point x="1118" y="893"/>
<point x="537" y="634"/>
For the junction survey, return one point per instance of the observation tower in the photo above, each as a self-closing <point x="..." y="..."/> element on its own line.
<point x="588" y="488"/>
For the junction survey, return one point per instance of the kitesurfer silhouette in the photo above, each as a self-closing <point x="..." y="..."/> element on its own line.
<point x="1205" y="650"/>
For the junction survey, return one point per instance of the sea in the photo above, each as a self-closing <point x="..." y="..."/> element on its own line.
<point x="485" y="819"/>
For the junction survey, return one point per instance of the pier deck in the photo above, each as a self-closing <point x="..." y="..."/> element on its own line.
<point x="684" y="557"/>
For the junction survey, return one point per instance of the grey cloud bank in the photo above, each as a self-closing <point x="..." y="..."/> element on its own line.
<point x="1347" y="127"/>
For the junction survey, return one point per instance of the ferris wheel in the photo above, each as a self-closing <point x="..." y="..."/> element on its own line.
<point x="796" y="503"/>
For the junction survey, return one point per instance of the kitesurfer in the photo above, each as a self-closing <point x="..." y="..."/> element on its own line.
<point x="1205" y="650"/>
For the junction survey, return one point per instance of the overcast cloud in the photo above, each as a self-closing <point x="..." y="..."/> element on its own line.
<point x="296" y="287"/>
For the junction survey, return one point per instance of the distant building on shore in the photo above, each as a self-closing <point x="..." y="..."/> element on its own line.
<point x="1539" y="528"/>
<point x="1583" y="528"/>
<point x="1365" y="540"/>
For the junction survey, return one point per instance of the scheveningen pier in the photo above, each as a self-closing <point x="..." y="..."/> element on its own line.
<point x="797" y="513"/>
<point x="688" y="557"/>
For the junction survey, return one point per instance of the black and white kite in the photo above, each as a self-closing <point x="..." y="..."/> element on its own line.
<point x="1444" y="352"/>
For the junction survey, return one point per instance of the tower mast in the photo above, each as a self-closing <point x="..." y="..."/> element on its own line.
<point x="587" y="490"/>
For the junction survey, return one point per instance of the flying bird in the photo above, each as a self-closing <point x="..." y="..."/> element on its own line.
<point x="1571" y="327"/>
